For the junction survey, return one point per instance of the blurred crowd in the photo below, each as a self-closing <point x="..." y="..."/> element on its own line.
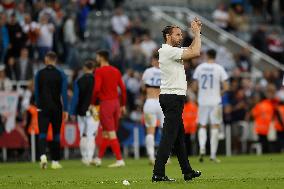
<point x="259" y="22"/>
<point x="30" y="28"/>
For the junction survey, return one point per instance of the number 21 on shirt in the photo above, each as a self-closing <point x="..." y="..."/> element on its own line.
<point x="207" y="81"/>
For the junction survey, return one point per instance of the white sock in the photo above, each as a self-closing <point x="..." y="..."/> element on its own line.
<point x="83" y="147"/>
<point x="202" y="137"/>
<point x="90" y="148"/>
<point x="214" y="142"/>
<point x="150" y="146"/>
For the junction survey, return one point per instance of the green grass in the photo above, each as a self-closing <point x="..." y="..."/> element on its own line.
<point x="235" y="172"/>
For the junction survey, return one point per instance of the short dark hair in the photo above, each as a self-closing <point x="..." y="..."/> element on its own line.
<point x="168" y="30"/>
<point x="51" y="56"/>
<point x="89" y="64"/>
<point x="104" y="54"/>
<point x="211" y="53"/>
<point x="155" y="55"/>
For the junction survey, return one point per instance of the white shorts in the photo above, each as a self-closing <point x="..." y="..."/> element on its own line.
<point x="87" y="125"/>
<point x="153" y="112"/>
<point x="210" y="115"/>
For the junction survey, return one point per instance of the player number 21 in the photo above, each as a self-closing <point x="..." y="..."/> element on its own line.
<point x="205" y="78"/>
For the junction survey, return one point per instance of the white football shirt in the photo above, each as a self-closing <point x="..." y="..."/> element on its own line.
<point x="173" y="79"/>
<point x="209" y="78"/>
<point x="152" y="77"/>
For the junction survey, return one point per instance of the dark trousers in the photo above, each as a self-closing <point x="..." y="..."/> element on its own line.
<point x="264" y="143"/>
<point x="280" y="141"/>
<point x="172" y="135"/>
<point x="188" y="144"/>
<point x="55" y="119"/>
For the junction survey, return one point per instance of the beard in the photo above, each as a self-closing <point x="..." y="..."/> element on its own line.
<point x="176" y="43"/>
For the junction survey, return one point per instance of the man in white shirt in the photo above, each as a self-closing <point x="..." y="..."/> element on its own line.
<point x="211" y="81"/>
<point x="221" y="17"/>
<point x="172" y="97"/>
<point x="152" y="109"/>
<point x="45" y="40"/>
<point x="119" y="22"/>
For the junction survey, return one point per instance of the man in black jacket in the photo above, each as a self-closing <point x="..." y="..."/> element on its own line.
<point x="50" y="92"/>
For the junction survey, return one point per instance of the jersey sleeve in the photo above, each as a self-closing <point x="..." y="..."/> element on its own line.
<point x="64" y="88"/>
<point x="75" y="99"/>
<point x="97" y="86"/>
<point x="145" y="77"/>
<point x="224" y="75"/>
<point x="122" y="89"/>
<point x="196" y="73"/>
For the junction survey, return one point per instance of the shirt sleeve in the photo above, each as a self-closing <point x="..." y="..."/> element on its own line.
<point x="64" y="86"/>
<point x="224" y="75"/>
<point x="123" y="90"/>
<point x="175" y="53"/>
<point x="97" y="86"/>
<point x="144" y="77"/>
<point x="195" y="74"/>
<point x="75" y="98"/>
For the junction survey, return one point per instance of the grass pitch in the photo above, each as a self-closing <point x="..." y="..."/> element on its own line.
<point x="237" y="172"/>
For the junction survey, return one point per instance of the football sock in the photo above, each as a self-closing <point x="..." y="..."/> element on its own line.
<point x="115" y="146"/>
<point x="103" y="147"/>
<point x="202" y="137"/>
<point x="150" y="146"/>
<point x="83" y="147"/>
<point x="90" y="148"/>
<point x="214" y="143"/>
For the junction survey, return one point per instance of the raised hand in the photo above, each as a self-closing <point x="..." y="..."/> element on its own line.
<point x="196" y="26"/>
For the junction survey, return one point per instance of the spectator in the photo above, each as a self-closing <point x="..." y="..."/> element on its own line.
<point x="25" y="66"/>
<point x="258" y="38"/>
<point x="148" y="45"/>
<point x="59" y="14"/>
<point x="5" y="83"/>
<point x="4" y="38"/>
<point x="244" y="61"/>
<point x="133" y="85"/>
<point x="46" y="9"/>
<point x="9" y="6"/>
<point x="238" y="21"/>
<point x="82" y="18"/>
<point x="138" y="59"/>
<point x="45" y="40"/>
<point x="20" y="12"/>
<point x="275" y="46"/>
<point x="70" y="39"/>
<point x="225" y="58"/>
<point x="114" y="45"/>
<point x="119" y="21"/>
<point x="31" y="30"/>
<point x="136" y="28"/>
<point x="221" y="17"/>
<point x="17" y="37"/>
<point x="12" y="70"/>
